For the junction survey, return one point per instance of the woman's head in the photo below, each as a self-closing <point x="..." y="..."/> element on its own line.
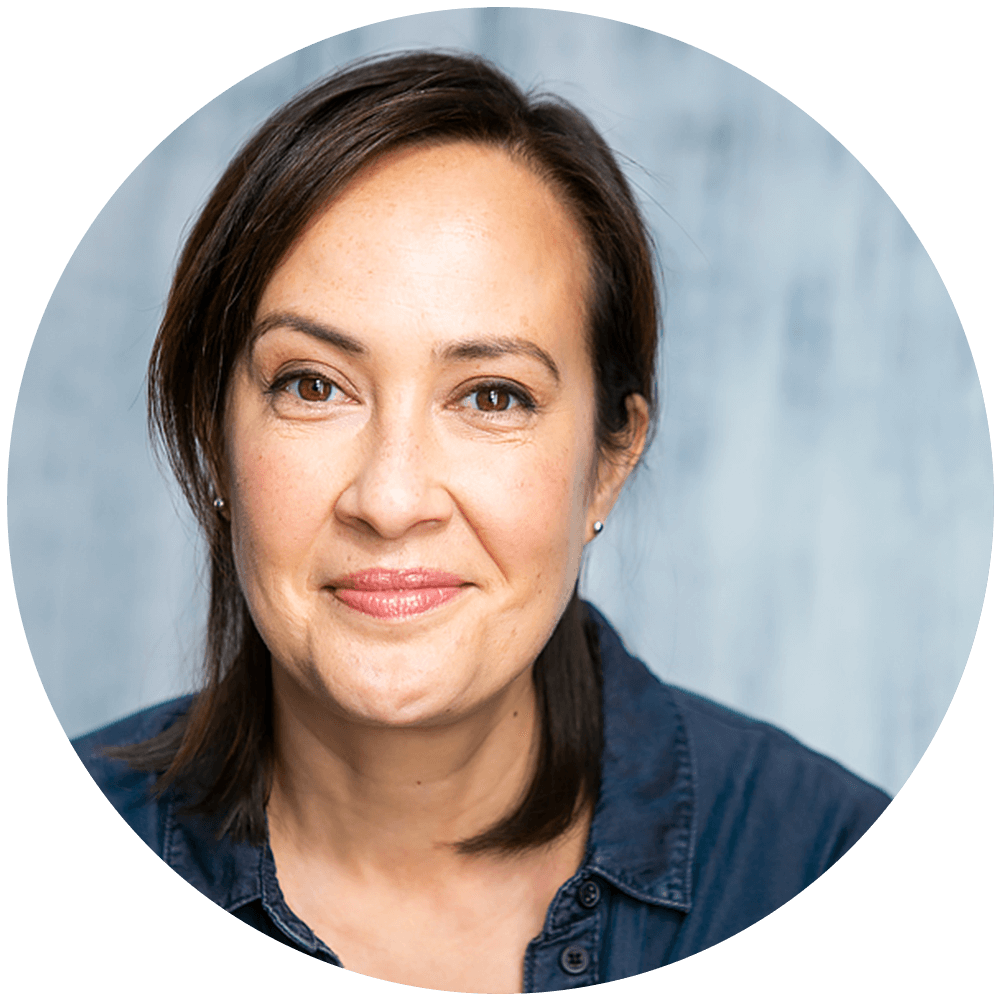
<point x="418" y="398"/>
<point x="413" y="329"/>
<point x="310" y="150"/>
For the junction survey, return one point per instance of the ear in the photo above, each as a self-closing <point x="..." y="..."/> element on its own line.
<point x="614" y="469"/>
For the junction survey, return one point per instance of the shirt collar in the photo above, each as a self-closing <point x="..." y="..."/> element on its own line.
<point x="641" y="836"/>
<point x="642" y="833"/>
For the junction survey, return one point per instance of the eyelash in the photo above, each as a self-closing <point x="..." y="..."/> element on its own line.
<point x="519" y="398"/>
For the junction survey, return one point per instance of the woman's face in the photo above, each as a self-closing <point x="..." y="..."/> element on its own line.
<point x="411" y="465"/>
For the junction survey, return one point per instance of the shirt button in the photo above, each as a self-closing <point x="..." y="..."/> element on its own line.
<point x="589" y="894"/>
<point x="574" y="959"/>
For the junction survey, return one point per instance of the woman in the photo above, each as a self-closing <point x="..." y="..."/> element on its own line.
<point x="406" y="366"/>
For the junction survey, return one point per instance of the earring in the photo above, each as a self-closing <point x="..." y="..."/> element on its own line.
<point x="218" y="503"/>
<point x="598" y="527"/>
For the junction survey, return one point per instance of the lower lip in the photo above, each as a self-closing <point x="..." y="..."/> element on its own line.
<point x="397" y="603"/>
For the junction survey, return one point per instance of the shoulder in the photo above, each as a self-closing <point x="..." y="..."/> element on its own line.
<point x="128" y="789"/>
<point x="724" y="730"/>
<point x="135" y="728"/>
<point x="735" y="754"/>
<point x="748" y="778"/>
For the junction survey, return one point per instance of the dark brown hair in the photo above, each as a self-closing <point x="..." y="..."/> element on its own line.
<point x="221" y="752"/>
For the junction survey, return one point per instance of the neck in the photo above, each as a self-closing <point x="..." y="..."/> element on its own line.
<point x="371" y="797"/>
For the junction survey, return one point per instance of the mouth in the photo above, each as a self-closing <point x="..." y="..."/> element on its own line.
<point x="397" y="593"/>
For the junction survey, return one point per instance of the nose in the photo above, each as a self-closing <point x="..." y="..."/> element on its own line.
<point x="397" y="483"/>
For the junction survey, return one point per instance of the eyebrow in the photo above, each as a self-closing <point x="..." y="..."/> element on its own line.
<point x="465" y="350"/>
<point x="496" y="347"/>
<point x="310" y="327"/>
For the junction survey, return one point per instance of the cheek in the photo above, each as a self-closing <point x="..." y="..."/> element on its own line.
<point x="527" y="507"/>
<point x="281" y="497"/>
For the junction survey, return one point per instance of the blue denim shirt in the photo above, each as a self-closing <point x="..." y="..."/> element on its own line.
<point x="706" y="822"/>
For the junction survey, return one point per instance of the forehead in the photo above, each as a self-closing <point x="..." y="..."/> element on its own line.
<point x="440" y="229"/>
<point x="483" y="183"/>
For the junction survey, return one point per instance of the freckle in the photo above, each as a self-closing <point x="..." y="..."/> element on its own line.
<point x="515" y="715"/>
<point x="418" y="782"/>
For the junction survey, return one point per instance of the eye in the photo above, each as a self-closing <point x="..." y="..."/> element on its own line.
<point x="497" y="398"/>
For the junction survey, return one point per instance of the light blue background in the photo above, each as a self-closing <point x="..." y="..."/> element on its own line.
<point x="809" y="538"/>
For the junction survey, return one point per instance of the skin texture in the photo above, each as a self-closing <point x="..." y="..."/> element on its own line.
<point x="417" y="394"/>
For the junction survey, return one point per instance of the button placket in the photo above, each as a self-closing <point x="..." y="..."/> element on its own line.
<point x="564" y="955"/>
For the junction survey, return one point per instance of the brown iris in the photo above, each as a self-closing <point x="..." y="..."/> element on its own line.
<point x="492" y="399"/>
<point x="314" y="390"/>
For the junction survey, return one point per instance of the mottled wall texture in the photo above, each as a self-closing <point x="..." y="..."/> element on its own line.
<point x="809" y="538"/>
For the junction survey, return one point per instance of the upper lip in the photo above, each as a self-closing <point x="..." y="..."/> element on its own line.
<point x="382" y="578"/>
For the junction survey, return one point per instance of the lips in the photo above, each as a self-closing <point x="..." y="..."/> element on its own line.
<point x="397" y="593"/>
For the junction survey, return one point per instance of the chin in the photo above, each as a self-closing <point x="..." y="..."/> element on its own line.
<point x="383" y="688"/>
<point x="403" y="706"/>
